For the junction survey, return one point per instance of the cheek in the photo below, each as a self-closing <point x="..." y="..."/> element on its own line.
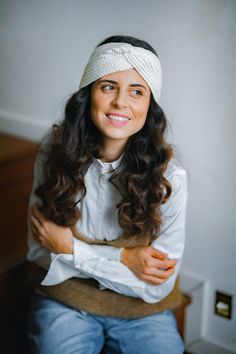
<point x="97" y="115"/>
<point x="97" y="107"/>
<point x="94" y="111"/>
<point x="141" y="113"/>
<point x="140" y="123"/>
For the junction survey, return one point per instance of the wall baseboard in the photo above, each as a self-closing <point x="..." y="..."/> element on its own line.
<point x="205" y="347"/>
<point x="196" y="338"/>
<point x="197" y="287"/>
<point x="23" y="126"/>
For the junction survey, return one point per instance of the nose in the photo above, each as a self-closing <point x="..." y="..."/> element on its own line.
<point x="120" y="99"/>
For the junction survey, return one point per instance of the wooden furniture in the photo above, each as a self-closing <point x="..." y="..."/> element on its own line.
<point x="16" y="177"/>
<point x="180" y="314"/>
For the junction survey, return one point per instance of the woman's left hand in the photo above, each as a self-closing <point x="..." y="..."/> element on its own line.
<point x="57" y="239"/>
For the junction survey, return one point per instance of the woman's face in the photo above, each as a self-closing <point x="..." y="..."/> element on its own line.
<point x="119" y="105"/>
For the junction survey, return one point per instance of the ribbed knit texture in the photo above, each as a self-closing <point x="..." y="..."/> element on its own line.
<point x="113" y="57"/>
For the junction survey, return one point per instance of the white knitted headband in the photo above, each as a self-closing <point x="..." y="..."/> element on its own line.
<point x="112" y="57"/>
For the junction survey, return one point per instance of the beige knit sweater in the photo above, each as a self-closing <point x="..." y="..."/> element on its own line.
<point x="85" y="294"/>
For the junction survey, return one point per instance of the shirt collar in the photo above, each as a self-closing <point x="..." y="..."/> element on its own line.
<point x="109" y="165"/>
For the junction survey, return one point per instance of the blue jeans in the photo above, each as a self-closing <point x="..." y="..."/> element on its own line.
<point x="58" y="329"/>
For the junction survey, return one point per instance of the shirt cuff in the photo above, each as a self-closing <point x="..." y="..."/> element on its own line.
<point x="84" y="252"/>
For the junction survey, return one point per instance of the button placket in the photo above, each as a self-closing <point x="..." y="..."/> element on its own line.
<point x="101" y="177"/>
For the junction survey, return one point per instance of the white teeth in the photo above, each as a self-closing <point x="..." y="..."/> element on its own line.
<point x="122" y="119"/>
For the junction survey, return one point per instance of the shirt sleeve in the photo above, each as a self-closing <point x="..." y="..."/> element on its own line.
<point x="102" y="262"/>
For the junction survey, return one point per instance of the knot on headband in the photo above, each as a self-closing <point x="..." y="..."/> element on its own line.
<point x="112" y="57"/>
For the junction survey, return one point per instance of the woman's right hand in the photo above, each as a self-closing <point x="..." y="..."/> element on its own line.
<point x="148" y="264"/>
<point x="55" y="238"/>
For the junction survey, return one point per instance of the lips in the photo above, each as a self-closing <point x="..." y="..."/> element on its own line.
<point x="118" y="117"/>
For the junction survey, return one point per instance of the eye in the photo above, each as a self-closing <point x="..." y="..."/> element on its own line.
<point x="137" y="92"/>
<point x="108" y="88"/>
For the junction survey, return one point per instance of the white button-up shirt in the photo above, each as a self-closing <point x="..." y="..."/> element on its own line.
<point x="99" y="221"/>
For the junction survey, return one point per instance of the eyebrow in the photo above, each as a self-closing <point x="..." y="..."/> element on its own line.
<point x="116" y="83"/>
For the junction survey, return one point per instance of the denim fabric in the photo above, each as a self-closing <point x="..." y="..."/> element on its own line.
<point x="58" y="329"/>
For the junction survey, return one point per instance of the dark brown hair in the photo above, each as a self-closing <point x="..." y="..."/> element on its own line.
<point x="140" y="177"/>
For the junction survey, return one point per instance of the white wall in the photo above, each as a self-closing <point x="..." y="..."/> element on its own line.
<point x="45" y="44"/>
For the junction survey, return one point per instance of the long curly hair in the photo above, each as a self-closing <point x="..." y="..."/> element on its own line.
<point x="140" y="177"/>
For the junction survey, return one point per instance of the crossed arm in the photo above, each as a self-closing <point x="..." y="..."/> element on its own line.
<point x="147" y="263"/>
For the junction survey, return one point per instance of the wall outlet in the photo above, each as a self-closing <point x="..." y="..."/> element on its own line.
<point x="223" y="305"/>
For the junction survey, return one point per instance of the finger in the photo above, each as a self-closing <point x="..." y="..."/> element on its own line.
<point x="168" y="264"/>
<point x="33" y="208"/>
<point x="158" y="254"/>
<point x="34" y="229"/>
<point x="36" y="224"/>
<point x="162" y="274"/>
<point x="36" y="213"/>
<point x="154" y="262"/>
<point x="35" y="234"/>
<point x="152" y="280"/>
<point x="34" y="221"/>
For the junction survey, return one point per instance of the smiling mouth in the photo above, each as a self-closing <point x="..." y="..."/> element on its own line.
<point x="117" y="118"/>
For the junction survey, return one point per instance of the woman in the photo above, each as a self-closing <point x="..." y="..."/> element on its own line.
<point x="108" y="227"/>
